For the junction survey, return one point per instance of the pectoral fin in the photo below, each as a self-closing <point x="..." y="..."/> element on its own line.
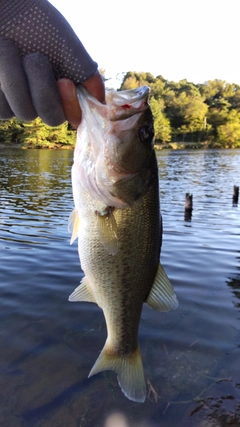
<point x="107" y="229"/>
<point x="82" y="293"/>
<point x="73" y="225"/>
<point x="162" y="296"/>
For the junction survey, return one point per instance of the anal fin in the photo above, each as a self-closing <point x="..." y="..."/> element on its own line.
<point x="162" y="296"/>
<point x="82" y="293"/>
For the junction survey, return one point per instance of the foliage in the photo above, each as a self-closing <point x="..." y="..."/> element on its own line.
<point x="184" y="112"/>
<point x="229" y="133"/>
<point x="161" y="122"/>
<point x="36" y="134"/>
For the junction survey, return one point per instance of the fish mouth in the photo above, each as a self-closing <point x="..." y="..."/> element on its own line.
<point x="127" y="103"/>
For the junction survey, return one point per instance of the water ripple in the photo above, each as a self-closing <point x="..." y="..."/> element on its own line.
<point x="49" y="345"/>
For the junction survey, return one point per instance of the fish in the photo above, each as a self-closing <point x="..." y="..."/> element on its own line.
<point x="118" y="224"/>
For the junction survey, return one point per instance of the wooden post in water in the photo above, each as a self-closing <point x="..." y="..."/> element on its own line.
<point x="235" y="195"/>
<point x="188" y="207"/>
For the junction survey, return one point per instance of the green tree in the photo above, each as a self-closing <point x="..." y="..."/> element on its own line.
<point x="228" y="134"/>
<point x="186" y="109"/>
<point x="158" y="90"/>
<point x="39" y="134"/>
<point x="234" y="98"/>
<point x="133" y="80"/>
<point x="36" y="133"/>
<point x="212" y="90"/>
<point x="161" y="122"/>
<point x="11" y="131"/>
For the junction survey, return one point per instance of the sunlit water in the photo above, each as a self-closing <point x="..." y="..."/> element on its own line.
<point x="48" y="345"/>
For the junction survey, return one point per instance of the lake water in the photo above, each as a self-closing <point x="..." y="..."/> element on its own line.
<point x="48" y="345"/>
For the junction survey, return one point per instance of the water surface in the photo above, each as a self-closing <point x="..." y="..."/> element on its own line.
<point x="48" y="346"/>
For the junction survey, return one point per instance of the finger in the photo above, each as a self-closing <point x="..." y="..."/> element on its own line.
<point x="95" y="86"/>
<point x="44" y="89"/>
<point x="70" y="102"/>
<point x="5" y="111"/>
<point x="14" y="83"/>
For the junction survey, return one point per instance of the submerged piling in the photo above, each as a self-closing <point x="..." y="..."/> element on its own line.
<point x="188" y="207"/>
<point x="235" y="195"/>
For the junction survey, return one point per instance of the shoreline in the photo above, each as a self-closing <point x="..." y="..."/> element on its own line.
<point x="192" y="146"/>
<point x="166" y="146"/>
<point x="36" y="147"/>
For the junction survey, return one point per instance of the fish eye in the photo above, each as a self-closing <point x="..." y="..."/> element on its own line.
<point x="146" y="133"/>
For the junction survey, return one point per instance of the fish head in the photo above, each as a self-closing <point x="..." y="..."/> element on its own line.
<point x="115" y="146"/>
<point x="129" y="143"/>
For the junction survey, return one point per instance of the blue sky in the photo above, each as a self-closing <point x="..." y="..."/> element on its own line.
<point x="196" y="40"/>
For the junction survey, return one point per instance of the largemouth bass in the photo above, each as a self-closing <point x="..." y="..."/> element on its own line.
<point x="118" y="225"/>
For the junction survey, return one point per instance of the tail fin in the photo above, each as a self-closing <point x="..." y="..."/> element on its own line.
<point x="129" y="370"/>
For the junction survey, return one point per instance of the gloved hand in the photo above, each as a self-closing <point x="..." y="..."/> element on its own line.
<point x="37" y="48"/>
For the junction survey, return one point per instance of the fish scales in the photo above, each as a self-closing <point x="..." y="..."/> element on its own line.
<point x="121" y="283"/>
<point x="118" y="224"/>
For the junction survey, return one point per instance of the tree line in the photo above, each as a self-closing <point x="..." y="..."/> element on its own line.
<point x="36" y="134"/>
<point x="188" y="112"/>
<point x="184" y="112"/>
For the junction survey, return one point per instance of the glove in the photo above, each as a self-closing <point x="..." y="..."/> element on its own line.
<point x="37" y="47"/>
